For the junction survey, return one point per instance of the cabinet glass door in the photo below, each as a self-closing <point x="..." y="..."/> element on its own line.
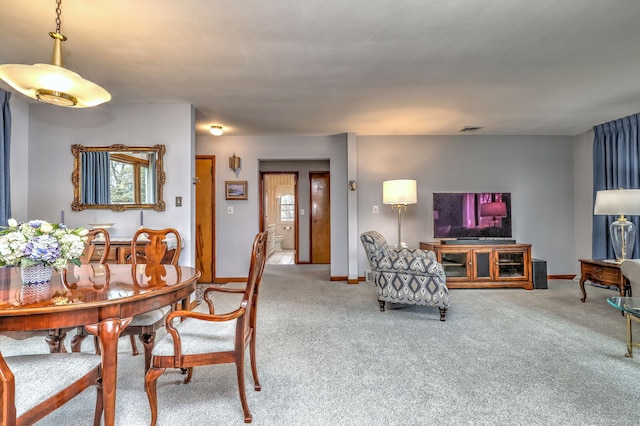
<point x="511" y="264"/>
<point x="454" y="264"/>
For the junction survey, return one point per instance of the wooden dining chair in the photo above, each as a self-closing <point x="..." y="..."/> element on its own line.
<point x="151" y="247"/>
<point x="32" y="386"/>
<point x="98" y="242"/>
<point x="204" y="339"/>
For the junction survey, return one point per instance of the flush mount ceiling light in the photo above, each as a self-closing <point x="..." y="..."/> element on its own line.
<point x="470" y="129"/>
<point x="216" y="130"/>
<point x="53" y="83"/>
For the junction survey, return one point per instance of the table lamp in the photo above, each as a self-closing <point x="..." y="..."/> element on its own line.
<point x="494" y="210"/>
<point x="399" y="193"/>
<point x="620" y="202"/>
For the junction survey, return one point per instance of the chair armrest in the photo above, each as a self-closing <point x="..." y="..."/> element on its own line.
<point x="220" y="289"/>
<point x="173" y="331"/>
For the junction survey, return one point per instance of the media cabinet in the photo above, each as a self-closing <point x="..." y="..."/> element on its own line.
<point x="484" y="264"/>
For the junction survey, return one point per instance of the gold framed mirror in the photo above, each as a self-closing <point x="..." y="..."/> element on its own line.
<point x="118" y="177"/>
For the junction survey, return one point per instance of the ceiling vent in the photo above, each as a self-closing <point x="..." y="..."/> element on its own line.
<point x="467" y="129"/>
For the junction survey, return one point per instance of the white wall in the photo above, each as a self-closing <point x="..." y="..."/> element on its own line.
<point x="19" y="151"/>
<point x="52" y="131"/>
<point x="551" y="200"/>
<point x="583" y="187"/>
<point x="538" y="171"/>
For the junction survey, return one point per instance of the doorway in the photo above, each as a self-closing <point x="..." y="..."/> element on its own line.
<point x="279" y="216"/>
<point x="205" y="217"/>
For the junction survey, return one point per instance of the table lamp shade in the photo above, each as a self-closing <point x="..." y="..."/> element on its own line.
<point x="495" y="209"/>
<point x="399" y="191"/>
<point x="620" y="202"/>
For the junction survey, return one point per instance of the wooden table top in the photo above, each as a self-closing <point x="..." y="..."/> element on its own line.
<point x="93" y="286"/>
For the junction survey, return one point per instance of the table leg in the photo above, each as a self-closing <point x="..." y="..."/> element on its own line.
<point x="108" y="331"/>
<point x="629" y="353"/>
<point x="55" y="340"/>
<point x="584" y="293"/>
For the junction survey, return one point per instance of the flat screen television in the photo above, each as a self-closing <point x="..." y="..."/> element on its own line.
<point x="472" y="215"/>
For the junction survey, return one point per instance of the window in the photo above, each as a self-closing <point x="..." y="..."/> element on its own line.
<point x="287" y="208"/>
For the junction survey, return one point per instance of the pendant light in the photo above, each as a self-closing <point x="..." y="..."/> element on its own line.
<point x="54" y="84"/>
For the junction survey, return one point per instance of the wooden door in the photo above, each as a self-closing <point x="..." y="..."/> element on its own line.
<point x="205" y="217"/>
<point x="320" y="217"/>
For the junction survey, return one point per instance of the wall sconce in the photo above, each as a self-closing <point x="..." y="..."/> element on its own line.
<point x="234" y="162"/>
<point x="216" y="130"/>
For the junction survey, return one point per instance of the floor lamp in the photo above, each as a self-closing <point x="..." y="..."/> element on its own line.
<point x="399" y="193"/>
<point x="620" y="202"/>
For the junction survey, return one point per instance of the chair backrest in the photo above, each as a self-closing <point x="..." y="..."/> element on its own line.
<point x="375" y="245"/>
<point x="631" y="270"/>
<point x="256" y="268"/>
<point x="151" y="245"/>
<point x="90" y="246"/>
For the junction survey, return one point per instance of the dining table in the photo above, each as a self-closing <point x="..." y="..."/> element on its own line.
<point x="102" y="298"/>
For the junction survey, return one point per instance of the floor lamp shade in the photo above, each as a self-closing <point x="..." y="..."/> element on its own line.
<point x="399" y="193"/>
<point x="620" y="202"/>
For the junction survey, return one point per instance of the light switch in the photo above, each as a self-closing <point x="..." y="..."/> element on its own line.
<point x="375" y="209"/>
<point x="229" y="209"/>
<point x="301" y="212"/>
<point x="178" y="201"/>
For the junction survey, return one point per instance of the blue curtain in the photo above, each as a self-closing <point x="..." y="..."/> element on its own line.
<point x="95" y="178"/>
<point x="5" y="143"/>
<point x="616" y="164"/>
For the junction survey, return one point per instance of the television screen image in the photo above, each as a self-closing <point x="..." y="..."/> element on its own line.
<point x="472" y="215"/>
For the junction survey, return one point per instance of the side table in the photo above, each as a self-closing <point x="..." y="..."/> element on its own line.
<point x="602" y="272"/>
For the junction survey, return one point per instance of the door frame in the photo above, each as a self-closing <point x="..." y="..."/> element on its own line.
<point x="296" y="218"/>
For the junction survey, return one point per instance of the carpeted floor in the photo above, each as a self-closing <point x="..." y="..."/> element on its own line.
<point x="328" y="356"/>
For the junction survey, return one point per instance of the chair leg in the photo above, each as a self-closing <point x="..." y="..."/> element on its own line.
<point x="97" y="417"/>
<point x="443" y="312"/>
<point x="189" y="372"/>
<point x="134" y="347"/>
<point x="381" y="302"/>
<point x="254" y="367"/>
<point x="150" y="381"/>
<point x="241" y="390"/>
<point x="148" y="340"/>
<point x="96" y="343"/>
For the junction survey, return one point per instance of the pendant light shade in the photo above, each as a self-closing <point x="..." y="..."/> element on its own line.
<point x="53" y="83"/>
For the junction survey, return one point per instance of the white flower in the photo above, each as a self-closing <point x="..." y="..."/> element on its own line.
<point x="40" y="242"/>
<point x="46" y="227"/>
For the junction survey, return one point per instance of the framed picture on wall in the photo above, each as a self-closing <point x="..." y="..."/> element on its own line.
<point x="236" y="189"/>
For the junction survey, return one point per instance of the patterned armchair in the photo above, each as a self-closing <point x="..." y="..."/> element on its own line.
<point x="410" y="276"/>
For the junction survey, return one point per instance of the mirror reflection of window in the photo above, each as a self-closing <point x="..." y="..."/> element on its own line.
<point x="130" y="180"/>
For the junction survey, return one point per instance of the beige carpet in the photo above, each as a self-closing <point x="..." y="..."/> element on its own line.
<point x="328" y="356"/>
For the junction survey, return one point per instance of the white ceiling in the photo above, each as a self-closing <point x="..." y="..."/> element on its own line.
<point x="320" y="67"/>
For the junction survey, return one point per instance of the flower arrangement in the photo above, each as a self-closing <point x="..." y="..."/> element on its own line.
<point x="38" y="242"/>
